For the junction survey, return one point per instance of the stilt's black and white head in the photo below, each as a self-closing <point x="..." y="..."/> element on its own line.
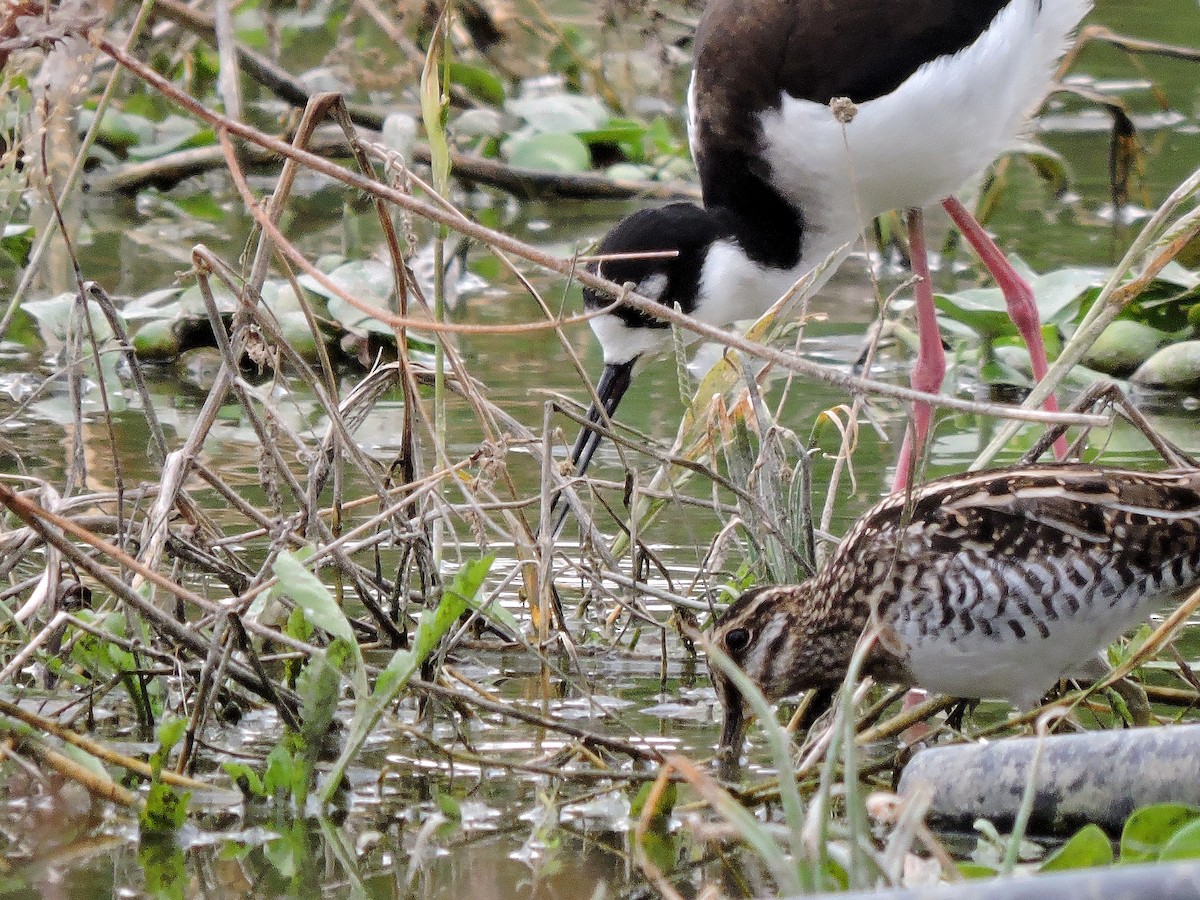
<point x="666" y="255"/>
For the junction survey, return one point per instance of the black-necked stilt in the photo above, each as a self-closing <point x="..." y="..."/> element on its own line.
<point x="941" y="88"/>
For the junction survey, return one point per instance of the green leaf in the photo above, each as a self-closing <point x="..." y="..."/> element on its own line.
<point x="973" y="870"/>
<point x="1049" y="165"/>
<point x="298" y="626"/>
<point x="550" y="152"/>
<point x="366" y="280"/>
<point x="157" y="339"/>
<point x="661" y="848"/>
<point x="431" y="628"/>
<point x="170" y="732"/>
<point x="245" y="778"/>
<point x="435" y="108"/>
<point x="119" y="129"/>
<point x="564" y="56"/>
<point x="1123" y="346"/>
<point x="1173" y="368"/>
<point x="288" y="853"/>
<point x="617" y="131"/>
<point x="984" y="310"/>
<point x="319" y="687"/>
<point x="478" y="81"/>
<point x="163" y="866"/>
<point x="449" y="806"/>
<point x="173" y="133"/>
<point x="666" y="802"/>
<point x="163" y="812"/>
<point x="82" y="758"/>
<point x="17" y="242"/>
<point x="629" y="172"/>
<point x="54" y="315"/>
<point x="279" y="773"/>
<point x="307" y="592"/>
<point x="204" y="206"/>
<point x="191" y="301"/>
<point x="296" y="331"/>
<point x="1151" y="828"/>
<point x="495" y="612"/>
<point x="1088" y="847"/>
<point x="663" y="139"/>
<point x="1184" y="843"/>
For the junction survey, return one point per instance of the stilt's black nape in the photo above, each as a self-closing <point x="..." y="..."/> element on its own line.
<point x="614" y="382"/>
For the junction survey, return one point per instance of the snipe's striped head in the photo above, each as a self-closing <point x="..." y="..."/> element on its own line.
<point x="787" y="641"/>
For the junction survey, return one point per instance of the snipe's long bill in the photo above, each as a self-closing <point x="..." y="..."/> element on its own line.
<point x="993" y="584"/>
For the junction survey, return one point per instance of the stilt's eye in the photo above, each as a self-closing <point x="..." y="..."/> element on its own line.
<point x="737" y="640"/>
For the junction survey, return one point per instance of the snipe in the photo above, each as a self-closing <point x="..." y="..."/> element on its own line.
<point x="992" y="584"/>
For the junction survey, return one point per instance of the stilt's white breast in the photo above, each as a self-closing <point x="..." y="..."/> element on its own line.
<point x="918" y="144"/>
<point x="733" y="287"/>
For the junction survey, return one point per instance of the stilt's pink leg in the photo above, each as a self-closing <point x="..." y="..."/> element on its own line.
<point x="1018" y="295"/>
<point x="930" y="368"/>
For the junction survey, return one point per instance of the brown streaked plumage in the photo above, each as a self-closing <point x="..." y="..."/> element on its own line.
<point x="991" y="584"/>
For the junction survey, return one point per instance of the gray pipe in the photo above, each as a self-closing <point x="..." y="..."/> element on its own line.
<point x="1099" y="776"/>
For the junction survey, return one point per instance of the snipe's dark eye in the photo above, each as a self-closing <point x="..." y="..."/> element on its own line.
<point x="737" y="640"/>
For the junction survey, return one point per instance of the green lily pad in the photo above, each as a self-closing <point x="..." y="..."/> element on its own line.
<point x="1184" y="843"/>
<point x="551" y="152"/>
<point x="53" y="317"/>
<point x="560" y="113"/>
<point x="1175" y="368"/>
<point x="157" y="340"/>
<point x="1123" y="346"/>
<point x="985" y="312"/>
<point x="299" y="336"/>
<point x="120" y="129"/>
<point x="171" y="134"/>
<point x="368" y="281"/>
<point x="629" y="172"/>
<point x="191" y="301"/>
<point x="162" y="303"/>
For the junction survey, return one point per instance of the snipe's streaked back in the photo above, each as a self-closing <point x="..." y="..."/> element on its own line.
<point x="992" y="584"/>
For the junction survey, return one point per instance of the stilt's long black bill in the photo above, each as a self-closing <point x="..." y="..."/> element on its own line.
<point x="614" y="382"/>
